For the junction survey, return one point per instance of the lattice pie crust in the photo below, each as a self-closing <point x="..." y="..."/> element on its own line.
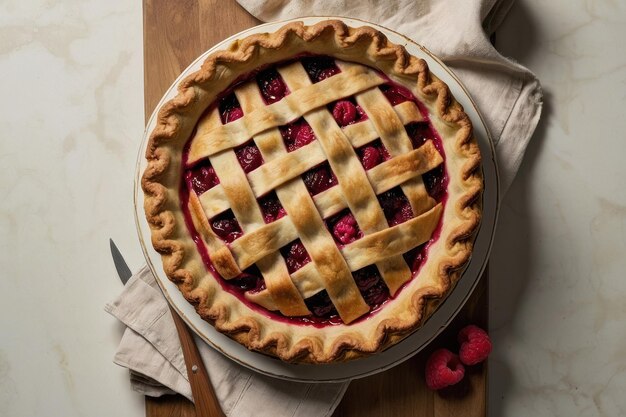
<point x="188" y="127"/>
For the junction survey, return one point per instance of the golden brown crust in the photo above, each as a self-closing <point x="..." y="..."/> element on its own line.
<point x="447" y="257"/>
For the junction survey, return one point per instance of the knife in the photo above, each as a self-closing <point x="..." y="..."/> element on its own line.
<point x="120" y="264"/>
<point x="205" y="400"/>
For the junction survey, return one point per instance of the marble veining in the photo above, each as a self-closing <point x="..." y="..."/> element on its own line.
<point x="72" y="119"/>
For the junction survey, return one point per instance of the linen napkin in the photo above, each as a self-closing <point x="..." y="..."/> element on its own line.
<point x="151" y="350"/>
<point x="509" y="97"/>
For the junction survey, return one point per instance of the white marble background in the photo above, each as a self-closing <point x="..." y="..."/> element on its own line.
<point x="71" y="117"/>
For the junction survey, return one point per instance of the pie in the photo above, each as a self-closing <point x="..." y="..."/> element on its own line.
<point x="314" y="192"/>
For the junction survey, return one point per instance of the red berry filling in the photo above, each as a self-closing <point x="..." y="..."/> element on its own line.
<point x="272" y="86"/>
<point x="271" y="208"/>
<point x="371" y="285"/>
<point x="415" y="257"/>
<point x="321" y="306"/>
<point x="249" y="156"/>
<point x="396" y="206"/>
<point x="344" y="227"/>
<point x="297" y="134"/>
<point x="443" y="369"/>
<point x="396" y="94"/>
<point x="372" y="154"/>
<point x="347" y="112"/>
<point x="249" y="280"/>
<point x="319" y="179"/>
<point x="226" y="226"/>
<point x="295" y="255"/>
<point x="201" y="177"/>
<point x="419" y="133"/>
<point x="230" y="109"/>
<point x="320" y="68"/>
<point x="435" y="182"/>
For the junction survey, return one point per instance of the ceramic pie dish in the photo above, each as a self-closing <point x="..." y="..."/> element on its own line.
<point x="314" y="192"/>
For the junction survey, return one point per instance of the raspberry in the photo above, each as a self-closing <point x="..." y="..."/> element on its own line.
<point x="443" y="369"/>
<point x="304" y="136"/>
<point x="475" y="345"/>
<point x="370" y="157"/>
<point x="344" y="113"/>
<point x="346" y="230"/>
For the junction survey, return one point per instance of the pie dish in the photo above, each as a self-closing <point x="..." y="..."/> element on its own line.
<point x="314" y="192"/>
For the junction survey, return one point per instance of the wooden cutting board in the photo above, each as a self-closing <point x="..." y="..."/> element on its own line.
<point x="175" y="33"/>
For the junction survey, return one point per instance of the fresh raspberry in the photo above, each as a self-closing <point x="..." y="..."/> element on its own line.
<point x="443" y="369"/>
<point x="475" y="345"/>
<point x="344" y="112"/>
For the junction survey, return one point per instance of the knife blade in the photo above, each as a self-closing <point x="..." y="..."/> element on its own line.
<point x="120" y="264"/>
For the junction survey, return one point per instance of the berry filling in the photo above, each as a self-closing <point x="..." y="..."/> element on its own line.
<point x="249" y="156"/>
<point x="419" y="133"/>
<point x="372" y="154"/>
<point x="321" y="306"/>
<point x="344" y="227"/>
<point x="201" y="178"/>
<point x="320" y="67"/>
<point x="272" y="86"/>
<point x="347" y="112"/>
<point x="249" y="280"/>
<point x="297" y="134"/>
<point x="226" y="226"/>
<point x="396" y="94"/>
<point x="271" y="208"/>
<point x="230" y="109"/>
<point x="295" y="256"/>
<point x="319" y="179"/>
<point x="396" y="206"/>
<point x="435" y="182"/>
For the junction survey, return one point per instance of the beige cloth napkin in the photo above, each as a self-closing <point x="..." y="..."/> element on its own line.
<point x="509" y="97"/>
<point x="150" y="349"/>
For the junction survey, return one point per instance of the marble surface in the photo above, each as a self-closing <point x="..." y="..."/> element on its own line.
<point x="72" y="119"/>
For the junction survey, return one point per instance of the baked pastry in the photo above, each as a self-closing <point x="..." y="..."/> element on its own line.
<point x="314" y="192"/>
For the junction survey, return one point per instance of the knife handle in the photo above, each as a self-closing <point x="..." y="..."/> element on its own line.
<point x="204" y="397"/>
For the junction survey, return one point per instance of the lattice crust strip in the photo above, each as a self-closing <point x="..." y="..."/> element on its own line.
<point x="331" y="267"/>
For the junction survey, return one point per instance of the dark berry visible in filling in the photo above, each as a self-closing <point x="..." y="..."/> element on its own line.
<point x="415" y="257"/>
<point x="396" y="94"/>
<point x="371" y="285"/>
<point x="249" y="280"/>
<point x="320" y="68"/>
<point x="272" y="86"/>
<point x="419" y="133"/>
<point x="297" y="134"/>
<point x="435" y="182"/>
<point x="230" y="109"/>
<point x="249" y="156"/>
<point x="396" y="206"/>
<point x="295" y="255"/>
<point x="372" y="154"/>
<point x="271" y="208"/>
<point x="344" y="227"/>
<point x="319" y="179"/>
<point x="201" y="178"/>
<point x="321" y="306"/>
<point x="226" y="226"/>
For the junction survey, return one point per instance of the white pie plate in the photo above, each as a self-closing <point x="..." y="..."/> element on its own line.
<point x="413" y="343"/>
